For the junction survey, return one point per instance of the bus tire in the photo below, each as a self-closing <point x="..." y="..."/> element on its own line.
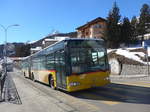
<point x="24" y="74"/>
<point x="51" y="82"/>
<point x="32" y="77"/>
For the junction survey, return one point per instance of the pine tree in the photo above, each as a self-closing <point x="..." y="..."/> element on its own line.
<point x="22" y="50"/>
<point x="113" y="28"/>
<point x="126" y="31"/>
<point x="144" y="20"/>
<point x="134" y="23"/>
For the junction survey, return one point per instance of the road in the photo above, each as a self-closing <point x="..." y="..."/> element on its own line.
<point x="126" y="95"/>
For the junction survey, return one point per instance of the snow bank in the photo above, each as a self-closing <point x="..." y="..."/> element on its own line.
<point x="131" y="55"/>
<point x="139" y="53"/>
<point x="110" y="50"/>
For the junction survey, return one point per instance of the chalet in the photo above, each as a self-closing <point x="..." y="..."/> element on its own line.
<point x="92" y="29"/>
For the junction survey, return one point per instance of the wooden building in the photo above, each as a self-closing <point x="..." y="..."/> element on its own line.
<point x="92" y="29"/>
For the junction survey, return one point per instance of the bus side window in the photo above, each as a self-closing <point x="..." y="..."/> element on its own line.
<point x="43" y="63"/>
<point x="50" y="61"/>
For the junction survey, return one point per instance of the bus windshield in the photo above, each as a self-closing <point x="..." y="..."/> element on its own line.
<point x="88" y="56"/>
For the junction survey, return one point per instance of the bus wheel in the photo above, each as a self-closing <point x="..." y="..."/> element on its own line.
<point x="24" y="74"/>
<point x="32" y="77"/>
<point x="51" y="82"/>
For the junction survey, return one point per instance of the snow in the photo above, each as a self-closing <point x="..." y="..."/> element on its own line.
<point x="139" y="53"/>
<point x="110" y="50"/>
<point x="132" y="48"/>
<point x="32" y="42"/>
<point x="60" y="38"/>
<point x="55" y="39"/>
<point x="50" y="40"/>
<point x="36" y="49"/>
<point x="129" y="55"/>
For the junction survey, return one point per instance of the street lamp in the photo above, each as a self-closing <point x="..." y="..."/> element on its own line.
<point x="5" y="30"/>
<point x="5" y="46"/>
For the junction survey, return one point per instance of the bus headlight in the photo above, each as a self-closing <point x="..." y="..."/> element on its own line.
<point x="74" y="84"/>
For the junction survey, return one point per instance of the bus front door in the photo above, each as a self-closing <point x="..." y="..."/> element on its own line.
<point x="60" y="69"/>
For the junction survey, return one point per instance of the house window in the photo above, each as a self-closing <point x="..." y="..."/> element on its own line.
<point x="97" y="26"/>
<point x="79" y="34"/>
<point x="86" y="33"/>
<point x="97" y="32"/>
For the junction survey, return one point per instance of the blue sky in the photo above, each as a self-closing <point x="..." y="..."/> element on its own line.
<point x="37" y="18"/>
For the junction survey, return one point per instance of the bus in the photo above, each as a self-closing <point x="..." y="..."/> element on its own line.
<point x="71" y="64"/>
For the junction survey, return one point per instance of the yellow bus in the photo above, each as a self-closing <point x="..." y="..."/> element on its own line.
<point x="72" y="64"/>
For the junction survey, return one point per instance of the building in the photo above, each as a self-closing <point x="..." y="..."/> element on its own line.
<point x="34" y="50"/>
<point x="146" y="36"/>
<point x="92" y="29"/>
